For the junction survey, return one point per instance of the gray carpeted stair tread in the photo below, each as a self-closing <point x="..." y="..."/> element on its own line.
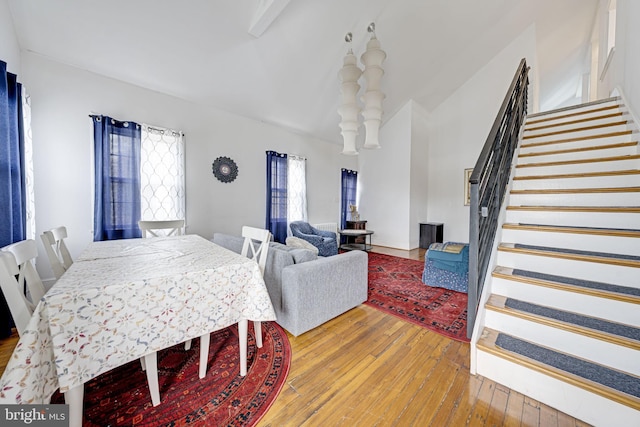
<point x="626" y="290"/>
<point x="608" y="377"/>
<point x="575" y="319"/>
<point x="578" y="252"/>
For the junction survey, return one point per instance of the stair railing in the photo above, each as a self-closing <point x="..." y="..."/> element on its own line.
<point x="488" y="184"/>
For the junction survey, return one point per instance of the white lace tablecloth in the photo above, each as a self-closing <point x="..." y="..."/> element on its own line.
<point x="122" y="299"/>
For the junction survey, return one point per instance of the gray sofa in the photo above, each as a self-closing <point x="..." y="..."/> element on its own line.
<point x="307" y="290"/>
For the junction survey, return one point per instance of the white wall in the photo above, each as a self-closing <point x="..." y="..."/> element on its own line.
<point x="384" y="183"/>
<point x="419" y="172"/>
<point x="624" y="67"/>
<point x="64" y="96"/>
<point x="607" y="75"/>
<point x="9" y="49"/>
<point x="459" y="128"/>
<point x="628" y="53"/>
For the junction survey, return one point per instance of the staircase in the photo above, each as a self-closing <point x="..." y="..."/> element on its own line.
<point x="561" y="321"/>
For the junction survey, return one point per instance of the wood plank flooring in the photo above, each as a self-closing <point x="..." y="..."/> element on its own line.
<point x="367" y="368"/>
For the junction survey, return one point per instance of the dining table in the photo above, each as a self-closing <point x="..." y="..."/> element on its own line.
<point x="125" y="299"/>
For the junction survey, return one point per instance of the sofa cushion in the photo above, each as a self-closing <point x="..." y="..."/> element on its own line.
<point x="296" y="242"/>
<point x="297" y="254"/>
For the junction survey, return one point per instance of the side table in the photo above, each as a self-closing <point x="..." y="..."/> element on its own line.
<point x="430" y="232"/>
<point x="356" y="234"/>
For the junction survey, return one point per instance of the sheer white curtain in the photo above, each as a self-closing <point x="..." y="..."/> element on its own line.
<point x="296" y="189"/>
<point x="162" y="176"/>
<point x="28" y="166"/>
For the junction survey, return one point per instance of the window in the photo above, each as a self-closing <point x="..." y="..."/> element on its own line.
<point x="286" y="193"/>
<point x="296" y="189"/>
<point x="162" y="180"/>
<point x="349" y="186"/>
<point x="16" y="166"/>
<point x="139" y="173"/>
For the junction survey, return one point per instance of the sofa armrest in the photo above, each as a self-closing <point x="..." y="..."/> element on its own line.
<point x="317" y="291"/>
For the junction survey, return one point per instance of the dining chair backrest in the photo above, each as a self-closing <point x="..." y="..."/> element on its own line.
<point x="56" y="249"/>
<point x="21" y="309"/>
<point x="169" y="228"/>
<point x="25" y="253"/>
<point x="256" y="245"/>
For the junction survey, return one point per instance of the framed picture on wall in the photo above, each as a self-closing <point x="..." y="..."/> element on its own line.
<point x="467" y="187"/>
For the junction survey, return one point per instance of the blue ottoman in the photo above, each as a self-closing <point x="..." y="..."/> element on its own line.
<point x="439" y="278"/>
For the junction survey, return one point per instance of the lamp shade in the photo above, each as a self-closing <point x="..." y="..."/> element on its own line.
<point x="349" y="110"/>
<point x="372" y="59"/>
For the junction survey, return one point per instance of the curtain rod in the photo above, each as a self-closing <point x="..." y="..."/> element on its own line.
<point x="163" y="130"/>
<point x="154" y="128"/>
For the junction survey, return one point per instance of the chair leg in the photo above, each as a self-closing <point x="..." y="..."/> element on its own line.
<point x="74" y="397"/>
<point x="257" y="328"/>
<point x="187" y="345"/>
<point x="142" y="364"/>
<point x="151" y="361"/>
<point x="204" y="355"/>
<point x="242" y="336"/>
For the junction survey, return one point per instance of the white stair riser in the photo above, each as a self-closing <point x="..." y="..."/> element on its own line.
<point x="583" y="270"/>
<point x="579" y="241"/>
<point x="586" y="182"/>
<point x="575" y="134"/>
<point x="536" y="129"/>
<point x="580" y="112"/>
<point x="597" y="351"/>
<point x="579" y="155"/>
<point x="585" y="143"/>
<point x="576" y="199"/>
<point x="604" y="166"/>
<point x="576" y="302"/>
<point x="562" y="121"/>
<point x="575" y="401"/>
<point x="577" y="219"/>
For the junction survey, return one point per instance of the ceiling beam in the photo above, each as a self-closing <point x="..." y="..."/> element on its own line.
<point x="266" y="12"/>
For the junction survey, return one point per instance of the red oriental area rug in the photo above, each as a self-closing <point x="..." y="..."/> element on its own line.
<point x="223" y="398"/>
<point x="395" y="287"/>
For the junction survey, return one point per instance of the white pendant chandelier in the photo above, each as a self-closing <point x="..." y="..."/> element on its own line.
<point x="349" y="110"/>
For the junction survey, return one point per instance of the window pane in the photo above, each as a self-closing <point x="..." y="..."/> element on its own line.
<point x="162" y="174"/>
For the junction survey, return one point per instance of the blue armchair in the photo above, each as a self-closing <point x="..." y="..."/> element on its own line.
<point x="325" y="241"/>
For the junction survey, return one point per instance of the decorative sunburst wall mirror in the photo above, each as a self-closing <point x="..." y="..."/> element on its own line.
<point x="225" y="169"/>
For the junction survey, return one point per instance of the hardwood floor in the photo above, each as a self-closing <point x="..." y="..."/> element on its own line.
<point x="368" y="368"/>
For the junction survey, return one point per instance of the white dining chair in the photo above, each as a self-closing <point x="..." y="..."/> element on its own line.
<point x="256" y="247"/>
<point x="20" y="307"/>
<point x="56" y="249"/>
<point x="24" y="254"/>
<point x="162" y="228"/>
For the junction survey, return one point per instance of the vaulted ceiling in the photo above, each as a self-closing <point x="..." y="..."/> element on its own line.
<point x="286" y="72"/>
